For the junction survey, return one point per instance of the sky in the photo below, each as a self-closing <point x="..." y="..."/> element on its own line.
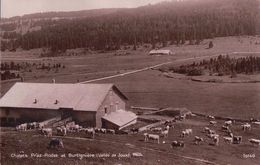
<point x="10" y="8"/>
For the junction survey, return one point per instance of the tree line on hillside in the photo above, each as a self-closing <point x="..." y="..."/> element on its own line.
<point x="7" y="75"/>
<point x="169" y="22"/>
<point x="28" y="66"/>
<point x="11" y="70"/>
<point x="222" y="65"/>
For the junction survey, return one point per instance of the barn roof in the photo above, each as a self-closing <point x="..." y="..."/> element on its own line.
<point x="120" y="117"/>
<point x="81" y="97"/>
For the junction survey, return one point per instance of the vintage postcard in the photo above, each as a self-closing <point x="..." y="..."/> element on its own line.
<point x="130" y="82"/>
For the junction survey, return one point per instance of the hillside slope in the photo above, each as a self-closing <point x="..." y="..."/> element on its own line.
<point x="166" y="23"/>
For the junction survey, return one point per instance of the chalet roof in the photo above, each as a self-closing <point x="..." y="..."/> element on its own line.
<point x="81" y="97"/>
<point x="120" y="117"/>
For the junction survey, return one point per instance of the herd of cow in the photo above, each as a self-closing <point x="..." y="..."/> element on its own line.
<point x="159" y="132"/>
<point x="62" y="131"/>
<point x="213" y="137"/>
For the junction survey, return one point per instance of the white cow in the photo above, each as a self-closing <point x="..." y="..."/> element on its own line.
<point x="206" y="129"/>
<point x="111" y="131"/>
<point x="246" y="127"/>
<point x="40" y="125"/>
<point x="91" y="132"/>
<point x="228" y="140"/>
<point x="157" y="129"/>
<point x="256" y="123"/>
<point x="213" y="136"/>
<point x="198" y="140"/>
<point x="165" y="133"/>
<point x="186" y="132"/>
<point x="62" y="131"/>
<point x="47" y="132"/>
<point x="211" y="117"/>
<point x="151" y="137"/>
<point x="216" y="140"/>
<point x="21" y="127"/>
<point x="254" y="142"/>
<point x="228" y="123"/>
<point x="213" y="122"/>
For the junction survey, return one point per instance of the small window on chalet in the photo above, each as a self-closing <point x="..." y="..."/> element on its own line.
<point x="35" y="101"/>
<point x="105" y="109"/>
<point x="56" y="102"/>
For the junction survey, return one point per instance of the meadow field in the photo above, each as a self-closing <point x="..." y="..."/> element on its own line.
<point x="146" y="88"/>
<point x="15" y="144"/>
<point x="150" y="88"/>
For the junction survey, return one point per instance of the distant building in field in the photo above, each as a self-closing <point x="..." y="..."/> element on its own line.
<point x="160" y="52"/>
<point x="85" y="103"/>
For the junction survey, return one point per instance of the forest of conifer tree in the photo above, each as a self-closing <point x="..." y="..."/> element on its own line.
<point x="174" y="22"/>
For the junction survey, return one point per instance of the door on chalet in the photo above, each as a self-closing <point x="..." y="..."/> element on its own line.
<point x="65" y="112"/>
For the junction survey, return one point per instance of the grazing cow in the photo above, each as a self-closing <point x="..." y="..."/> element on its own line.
<point x="225" y="128"/>
<point x="46" y="132"/>
<point x="216" y="140"/>
<point x="170" y="125"/>
<point x="167" y="127"/>
<point x="55" y="143"/>
<point x="62" y="131"/>
<point x="254" y="142"/>
<point x="177" y="144"/>
<point x="32" y="125"/>
<point x="21" y="127"/>
<point x="182" y="117"/>
<point x="212" y="123"/>
<point x="193" y="115"/>
<point x="237" y="139"/>
<point x="134" y="130"/>
<point x="97" y="130"/>
<point x="151" y="137"/>
<point x="165" y="133"/>
<point x="157" y="129"/>
<point x="198" y="140"/>
<point x="111" y="131"/>
<point x="186" y="132"/>
<point x="230" y="134"/>
<point x="254" y="120"/>
<point x="40" y="125"/>
<point x="76" y="128"/>
<point x="189" y="131"/>
<point x="228" y="123"/>
<point x="246" y="127"/>
<point x="228" y="140"/>
<point x="206" y="129"/>
<point x="103" y="130"/>
<point x="167" y="122"/>
<point x="256" y="123"/>
<point x="91" y="132"/>
<point x="209" y="131"/>
<point x="211" y="117"/>
<point x="212" y="136"/>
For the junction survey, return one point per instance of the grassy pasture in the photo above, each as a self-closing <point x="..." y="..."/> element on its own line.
<point x="151" y="88"/>
<point x="153" y="153"/>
